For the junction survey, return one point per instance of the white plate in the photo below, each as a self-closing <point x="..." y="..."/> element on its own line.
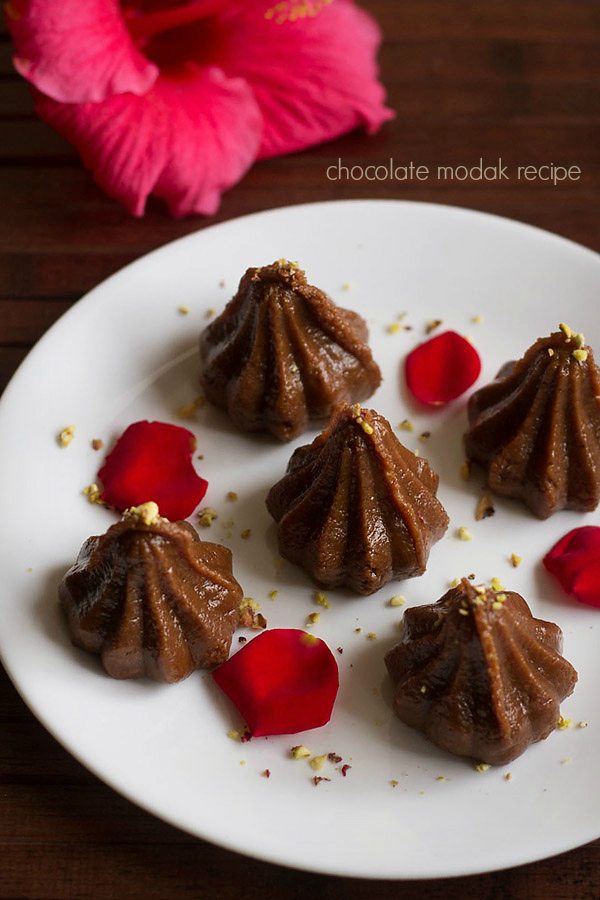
<point x="124" y="353"/>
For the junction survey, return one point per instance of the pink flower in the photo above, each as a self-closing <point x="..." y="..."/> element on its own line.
<point x="178" y="99"/>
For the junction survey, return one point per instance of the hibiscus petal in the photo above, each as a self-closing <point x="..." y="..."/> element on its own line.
<point x="77" y="50"/>
<point x="192" y="136"/>
<point x="315" y="76"/>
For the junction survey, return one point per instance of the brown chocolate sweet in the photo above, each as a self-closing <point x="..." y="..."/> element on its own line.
<point x="356" y="507"/>
<point x="536" y="428"/>
<point x="282" y="353"/>
<point x="151" y="598"/>
<point x="478" y="674"/>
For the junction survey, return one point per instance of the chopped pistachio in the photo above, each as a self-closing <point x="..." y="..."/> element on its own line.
<point x="568" y="332"/>
<point x="146" y="513"/>
<point x="245" y="534"/>
<point x="394" y="782"/>
<point x="515" y="560"/>
<point x="66" y="435"/>
<point x="273" y="595"/>
<point x="563" y="723"/>
<point x="184" y="310"/>
<point x="406" y="425"/>
<point x="300" y="752"/>
<point x="484" y="509"/>
<point x="207" y="516"/>
<point x="550" y="351"/>
<point x="232" y="496"/>
<point x="463" y="534"/>
<point x="321" y="600"/>
<point x="313" y="618"/>
<point x="580" y="355"/>
<point x="394" y="328"/>
<point x="497" y="584"/>
<point x="372" y="636"/>
<point x="482" y="767"/>
<point x="508" y="776"/>
<point x="582" y="724"/>
<point x="398" y="600"/>
<point x="317" y="762"/>
<point x="92" y="492"/>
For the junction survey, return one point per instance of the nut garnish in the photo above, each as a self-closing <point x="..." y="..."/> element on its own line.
<point x="582" y="724"/>
<point x="97" y="444"/>
<point x="300" y="752"/>
<point x="317" y="762"/>
<point x="398" y="600"/>
<point x="406" y="425"/>
<point x="92" y="492"/>
<point x="313" y="618"/>
<point x="515" y="560"/>
<point x="146" y="513"/>
<point x="183" y="310"/>
<point x="231" y="496"/>
<point x="508" y="776"/>
<point x="207" y="516"/>
<point x="273" y="595"/>
<point x="321" y="600"/>
<point x="580" y="355"/>
<point x="484" y="509"/>
<point x="66" y="436"/>
<point x="394" y="328"/>
<point x="463" y="534"/>
<point x="482" y="767"/>
<point x="432" y="325"/>
<point x="245" y="534"/>
<point x="563" y="723"/>
<point x="372" y="636"/>
<point x="187" y="410"/>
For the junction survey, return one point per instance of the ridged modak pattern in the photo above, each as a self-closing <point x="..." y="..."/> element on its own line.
<point x="536" y="428"/>
<point x="479" y="675"/>
<point x="152" y="599"/>
<point x="356" y="507"/>
<point x="282" y="353"/>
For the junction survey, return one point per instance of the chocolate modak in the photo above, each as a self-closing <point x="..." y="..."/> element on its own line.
<point x="282" y="353"/>
<point x="150" y="598"/>
<point x="536" y="428"/>
<point x="356" y="507"/>
<point x="478" y="674"/>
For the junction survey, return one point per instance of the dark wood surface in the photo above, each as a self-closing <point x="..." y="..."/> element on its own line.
<point x="517" y="79"/>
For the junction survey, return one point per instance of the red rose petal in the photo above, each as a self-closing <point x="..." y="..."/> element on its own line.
<point x="442" y="369"/>
<point x="282" y="682"/>
<point x="153" y="461"/>
<point x="575" y="563"/>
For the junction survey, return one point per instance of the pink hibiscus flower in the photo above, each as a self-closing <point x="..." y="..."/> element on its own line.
<point x="178" y="99"/>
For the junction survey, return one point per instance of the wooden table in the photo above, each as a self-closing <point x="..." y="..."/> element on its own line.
<point x="516" y="79"/>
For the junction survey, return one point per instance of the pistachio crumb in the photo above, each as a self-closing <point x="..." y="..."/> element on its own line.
<point x="582" y="724"/>
<point x="508" y="776"/>
<point x="463" y="534"/>
<point x="210" y="312"/>
<point x="317" y="762"/>
<point x="568" y="332"/>
<point x="207" y="516"/>
<point x="550" y="351"/>
<point x="563" y="723"/>
<point x="242" y="762"/>
<point x="313" y="618"/>
<point x="394" y="782"/>
<point x="440" y="778"/>
<point x="145" y="512"/>
<point x="566" y="760"/>
<point x="515" y="560"/>
<point x="273" y="595"/>
<point x="372" y="636"/>
<point x="183" y="310"/>
<point x="231" y="496"/>
<point x="346" y="286"/>
<point x="245" y="534"/>
<point x="394" y="328"/>
<point x="477" y="320"/>
<point x="187" y="410"/>
<point x="455" y="582"/>
<point x="92" y="492"/>
<point x="424" y="436"/>
<point x="496" y="584"/>
<point x="66" y="436"/>
<point x="482" y="767"/>
<point x="484" y="509"/>
<point x="501" y="598"/>
<point x="398" y="600"/>
<point x="580" y="355"/>
<point x="321" y="600"/>
<point x="496" y="605"/>
<point x="234" y="735"/>
<point x="406" y="425"/>
<point x="300" y="752"/>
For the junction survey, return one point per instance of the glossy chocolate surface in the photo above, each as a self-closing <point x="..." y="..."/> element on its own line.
<point x="282" y="353"/>
<point x="152" y="600"/>
<point x="356" y="507"/>
<point x="480" y="677"/>
<point x="536" y="428"/>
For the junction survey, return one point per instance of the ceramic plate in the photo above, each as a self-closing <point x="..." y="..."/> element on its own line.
<point x="125" y="353"/>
